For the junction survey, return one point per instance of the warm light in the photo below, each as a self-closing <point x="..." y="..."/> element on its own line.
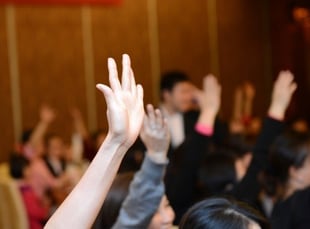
<point x="301" y="14"/>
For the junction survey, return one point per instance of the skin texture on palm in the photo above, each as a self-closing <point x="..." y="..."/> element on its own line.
<point x="125" y="117"/>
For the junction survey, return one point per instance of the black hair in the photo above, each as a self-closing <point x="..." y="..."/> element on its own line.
<point x="26" y="136"/>
<point x="221" y="213"/>
<point x="170" y="79"/>
<point x="218" y="174"/>
<point x="289" y="149"/>
<point x="18" y="163"/>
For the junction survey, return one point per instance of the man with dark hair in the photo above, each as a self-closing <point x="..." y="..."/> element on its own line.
<point x="177" y="97"/>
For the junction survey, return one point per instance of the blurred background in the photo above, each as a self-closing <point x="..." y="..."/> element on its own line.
<point x="55" y="53"/>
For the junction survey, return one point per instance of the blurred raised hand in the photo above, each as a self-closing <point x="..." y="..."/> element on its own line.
<point x="209" y="99"/>
<point x="155" y="135"/>
<point x="283" y="89"/>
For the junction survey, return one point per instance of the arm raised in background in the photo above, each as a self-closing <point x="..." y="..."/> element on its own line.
<point x="125" y="117"/>
<point x="209" y="101"/>
<point x="190" y="153"/>
<point x="283" y="90"/>
<point x="147" y="188"/>
<point x="79" y="124"/>
<point x="47" y="116"/>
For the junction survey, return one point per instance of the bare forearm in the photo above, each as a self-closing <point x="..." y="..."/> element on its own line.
<point x="87" y="197"/>
<point x="38" y="133"/>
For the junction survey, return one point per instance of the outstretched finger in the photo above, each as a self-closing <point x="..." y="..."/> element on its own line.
<point x="126" y="74"/>
<point x="133" y="82"/>
<point x="113" y="75"/>
<point x="159" y="118"/>
<point x="107" y="92"/>
<point x="151" y="115"/>
<point x="139" y="93"/>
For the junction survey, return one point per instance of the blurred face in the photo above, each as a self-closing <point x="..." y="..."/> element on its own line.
<point x="301" y="176"/>
<point x="163" y="218"/>
<point x="181" y="98"/>
<point x="56" y="147"/>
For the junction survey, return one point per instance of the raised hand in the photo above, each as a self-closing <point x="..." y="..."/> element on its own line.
<point x="47" y="114"/>
<point x="155" y="135"/>
<point x="124" y="103"/>
<point x="283" y="89"/>
<point x="209" y="100"/>
<point x="210" y="97"/>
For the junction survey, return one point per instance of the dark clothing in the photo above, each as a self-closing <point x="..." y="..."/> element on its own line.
<point x="181" y="177"/>
<point x="248" y="188"/>
<point x="190" y="119"/>
<point x="292" y="213"/>
<point x="182" y="190"/>
<point x="52" y="169"/>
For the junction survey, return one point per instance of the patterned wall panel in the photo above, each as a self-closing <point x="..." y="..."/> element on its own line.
<point x="242" y="50"/>
<point x="49" y="41"/>
<point x="6" y="115"/>
<point x="183" y="37"/>
<point x="118" y="30"/>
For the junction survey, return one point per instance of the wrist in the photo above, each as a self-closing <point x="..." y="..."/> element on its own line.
<point x="207" y="118"/>
<point x="276" y="112"/>
<point x="113" y="144"/>
<point x="204" y="129"/>
<point x="157" y="157"/>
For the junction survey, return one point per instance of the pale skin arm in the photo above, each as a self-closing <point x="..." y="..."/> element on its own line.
<point x="125" y="117"/>
<point x="283" y="90"/>
<point x="47" y="115"/>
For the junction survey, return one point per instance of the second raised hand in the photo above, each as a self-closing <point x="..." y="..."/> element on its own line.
<point x="155" y="135"/>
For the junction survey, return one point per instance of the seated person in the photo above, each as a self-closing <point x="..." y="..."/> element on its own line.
<point x="55" y="155"/>
<point x="37" y="209"/>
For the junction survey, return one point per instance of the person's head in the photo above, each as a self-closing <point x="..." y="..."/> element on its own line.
<point x="218" y="173"/>
<point x="177" y="92"/>
<point x="29" y="150"/>
<point x="215" y="213"/>
<point x="19" y="166"/>
<point x="290" y="161"/>
<point x="55" y="146"/>
<point x="242" y="151"/>
<point x="223" y="169"/>
<point x="164" y="216"/>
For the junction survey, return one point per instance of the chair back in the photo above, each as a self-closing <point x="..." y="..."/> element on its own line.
<point x="13" y="214"/>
